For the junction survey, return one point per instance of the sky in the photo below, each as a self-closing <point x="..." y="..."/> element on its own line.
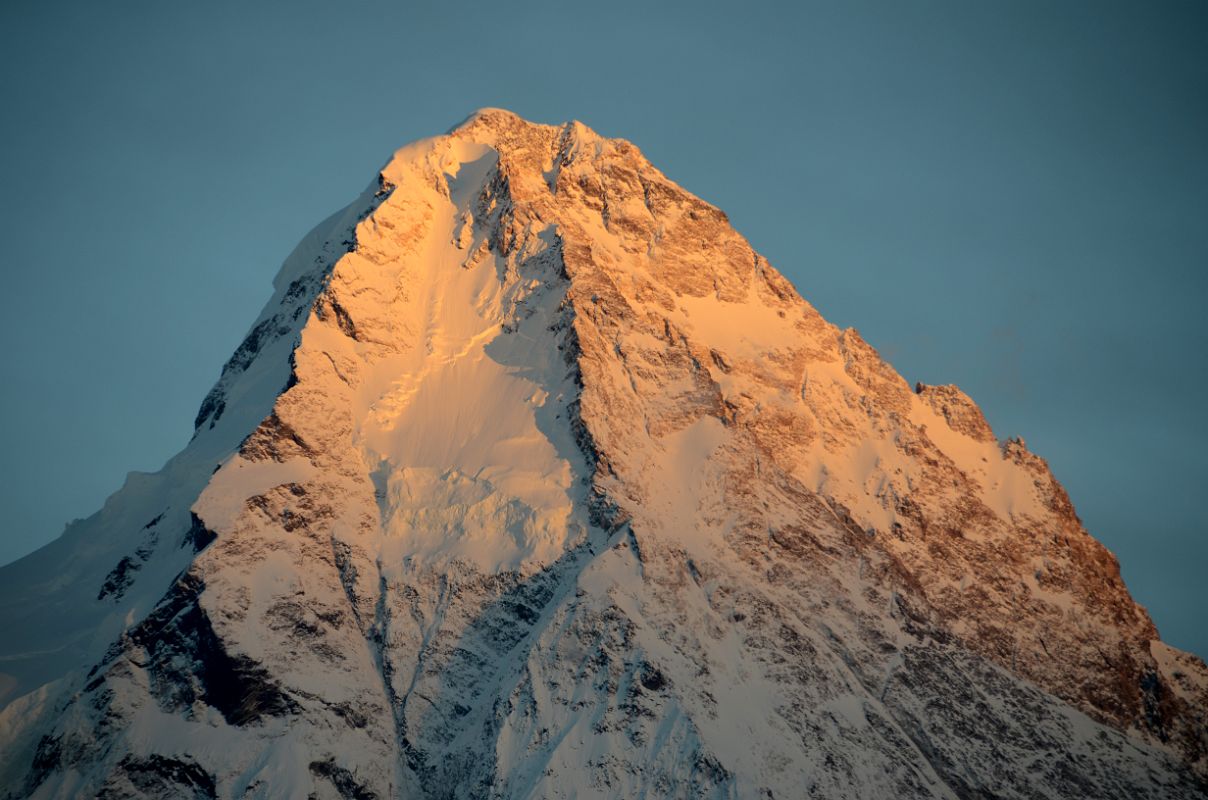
<point x="1012" y="197"/>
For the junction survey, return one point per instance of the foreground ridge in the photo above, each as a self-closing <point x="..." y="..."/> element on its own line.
<point x="533" y="479"/>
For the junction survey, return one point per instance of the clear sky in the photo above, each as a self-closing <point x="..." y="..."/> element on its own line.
<point x="1008" y="196"/>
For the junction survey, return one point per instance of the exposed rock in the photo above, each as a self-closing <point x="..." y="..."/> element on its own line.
<point x="960" y="412"/>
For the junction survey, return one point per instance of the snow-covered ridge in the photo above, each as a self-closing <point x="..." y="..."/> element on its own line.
<point x="534" y="480"/>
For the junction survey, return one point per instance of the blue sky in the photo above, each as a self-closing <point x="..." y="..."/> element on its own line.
<point x="1012" y="197"/>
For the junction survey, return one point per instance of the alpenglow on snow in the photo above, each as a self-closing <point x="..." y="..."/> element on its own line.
<point x="534" y="480"/>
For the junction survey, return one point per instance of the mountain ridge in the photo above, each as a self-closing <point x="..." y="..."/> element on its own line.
<point x="533" y="478"/>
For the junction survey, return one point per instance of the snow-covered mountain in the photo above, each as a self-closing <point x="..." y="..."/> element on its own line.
<point x="533" y="479"/>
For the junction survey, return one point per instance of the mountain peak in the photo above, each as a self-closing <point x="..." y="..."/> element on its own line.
<point x="534" y="479"/>
<point x="497" y="119"/>
<point x="489" y="115"/>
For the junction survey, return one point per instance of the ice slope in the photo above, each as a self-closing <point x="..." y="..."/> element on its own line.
<point x="534" y="480"/>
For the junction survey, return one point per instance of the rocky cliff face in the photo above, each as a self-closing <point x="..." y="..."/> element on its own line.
<point x="534" y="480"/>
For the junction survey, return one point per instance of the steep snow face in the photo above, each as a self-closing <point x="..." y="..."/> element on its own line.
<point x="534" y="480"/>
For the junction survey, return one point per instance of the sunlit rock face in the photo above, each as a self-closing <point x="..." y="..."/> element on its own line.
<point x="533" y="479"/>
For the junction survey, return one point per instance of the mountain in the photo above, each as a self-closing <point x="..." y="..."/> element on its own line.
<point x="533" y="479"/>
